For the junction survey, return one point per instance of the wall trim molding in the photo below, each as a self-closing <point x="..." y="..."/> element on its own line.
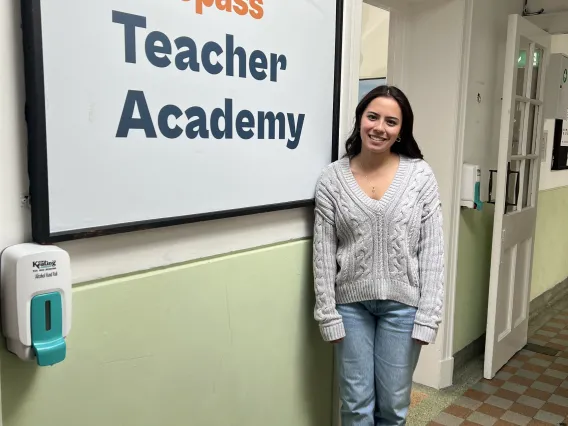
<point x="458" y="164"/>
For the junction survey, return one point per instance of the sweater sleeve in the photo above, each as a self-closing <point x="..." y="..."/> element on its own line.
<point x="325" y="266"/>
<point x="431" y="269"/>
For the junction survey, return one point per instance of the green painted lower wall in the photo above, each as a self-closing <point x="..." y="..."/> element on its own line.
<point x="550" y="266"/>
<point x="472" y="279"/>
<point x="550" y="263"/>
<point x="228" y="341"/>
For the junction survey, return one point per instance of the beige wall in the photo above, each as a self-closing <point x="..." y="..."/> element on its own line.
<point x="551" y="242"/>
<point x="550" y="264"/>
<point x="374" y="42"/>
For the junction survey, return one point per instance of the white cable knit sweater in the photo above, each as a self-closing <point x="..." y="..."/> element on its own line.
<point x="390" y="249"/>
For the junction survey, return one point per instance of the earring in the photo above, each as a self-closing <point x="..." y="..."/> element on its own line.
<point x="398" y="139"/>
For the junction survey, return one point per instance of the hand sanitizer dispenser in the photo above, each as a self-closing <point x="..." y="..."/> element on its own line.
<point x="35" y="297"/>
<point x="471" y="187"/>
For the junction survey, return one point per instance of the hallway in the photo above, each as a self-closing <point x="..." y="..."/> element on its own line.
<point x="532" y="389"/>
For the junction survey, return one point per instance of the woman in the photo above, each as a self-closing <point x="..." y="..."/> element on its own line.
<point x="378" y="260"/>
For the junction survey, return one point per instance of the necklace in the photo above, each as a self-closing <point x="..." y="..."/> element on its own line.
<point x="372" y="186"/>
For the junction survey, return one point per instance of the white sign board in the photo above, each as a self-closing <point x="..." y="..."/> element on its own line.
<point x="149" y="113"/>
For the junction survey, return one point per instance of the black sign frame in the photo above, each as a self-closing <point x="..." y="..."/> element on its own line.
<point x="37" y="142"/>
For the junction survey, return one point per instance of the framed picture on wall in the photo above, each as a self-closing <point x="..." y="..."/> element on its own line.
<point x="151" y="113"/>
<point x="368" y="84"/>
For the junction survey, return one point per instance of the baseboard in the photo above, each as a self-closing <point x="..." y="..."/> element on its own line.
<point x="547" y="299"/>
<point x="472" y="351"/>
<point x="438" y="375"/>
<point x="447" y="368"/>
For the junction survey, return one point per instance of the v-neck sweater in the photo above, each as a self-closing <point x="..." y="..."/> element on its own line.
<point x="386" y="249"/>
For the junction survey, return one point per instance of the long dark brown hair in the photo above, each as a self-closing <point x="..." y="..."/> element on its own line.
<point x="407" y="145"/>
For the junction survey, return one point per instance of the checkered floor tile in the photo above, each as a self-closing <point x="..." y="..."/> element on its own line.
<point x="532" y="389"/>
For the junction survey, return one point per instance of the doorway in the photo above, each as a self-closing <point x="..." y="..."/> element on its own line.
<point x="373" y="64"/>
<point x="406" y="47"/>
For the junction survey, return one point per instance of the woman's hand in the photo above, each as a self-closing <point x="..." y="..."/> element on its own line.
<point x="421" y="343"/>
<point x="335" y="342"/>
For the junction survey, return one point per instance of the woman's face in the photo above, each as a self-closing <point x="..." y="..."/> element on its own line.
<point x="380" y="125"/>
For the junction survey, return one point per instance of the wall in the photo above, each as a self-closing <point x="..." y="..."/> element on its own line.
<point x="550" y="265"/>
<point x="13" y="179"/>
<point x="227" y="341"/>
<point x="474" y="261"/>
<point x="374" y="42"/>
<point x="489" y="34"/>
<point x="435" y="112"/>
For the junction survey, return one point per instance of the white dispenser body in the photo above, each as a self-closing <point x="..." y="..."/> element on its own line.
<point x="28" y="271"/>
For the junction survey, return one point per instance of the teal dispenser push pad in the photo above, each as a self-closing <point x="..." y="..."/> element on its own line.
<point x="35" y="283"/>
<point x="47" y="328"/>
<point x="477" y="197"/>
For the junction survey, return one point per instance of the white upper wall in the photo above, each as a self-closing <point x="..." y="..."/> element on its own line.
<point x="559" y="44"/>
<point x="374" y="42"/>
<point x="486" y="68"/>
<point x="431" y="80"/>
<point x="14" y="220"/>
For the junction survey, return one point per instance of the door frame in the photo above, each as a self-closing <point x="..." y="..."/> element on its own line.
<point x="442" y="353"/>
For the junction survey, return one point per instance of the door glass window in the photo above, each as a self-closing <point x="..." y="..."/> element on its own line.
<point x="528" y="179"/>
<point x="522" y="66"/>
<point x="535" y="77"/>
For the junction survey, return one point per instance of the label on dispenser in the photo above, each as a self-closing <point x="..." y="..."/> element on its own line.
<point x="44" y="269"/>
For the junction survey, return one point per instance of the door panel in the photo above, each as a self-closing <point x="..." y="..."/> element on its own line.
<point x="516" y="190"/>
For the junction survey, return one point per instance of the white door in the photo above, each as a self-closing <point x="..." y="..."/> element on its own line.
<point x="516" y="192"/>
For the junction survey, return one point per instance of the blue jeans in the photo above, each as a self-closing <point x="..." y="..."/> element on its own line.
<point x="376" y="362"/>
